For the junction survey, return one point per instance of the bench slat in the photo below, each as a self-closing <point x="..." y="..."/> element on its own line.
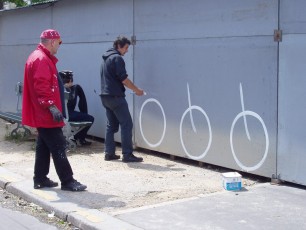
<point x="11" y="117"/>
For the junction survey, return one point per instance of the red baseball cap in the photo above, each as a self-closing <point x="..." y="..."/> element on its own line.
<point x="50" y="34"/>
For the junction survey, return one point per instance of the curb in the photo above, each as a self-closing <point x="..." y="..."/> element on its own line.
<point x="59" y="202"/>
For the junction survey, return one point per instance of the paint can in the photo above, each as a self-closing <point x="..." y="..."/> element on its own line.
<point x="231" y="181"/>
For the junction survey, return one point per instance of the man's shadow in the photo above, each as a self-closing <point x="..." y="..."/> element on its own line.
<point x="157" y="168"/>
<point x="86" y="199"/>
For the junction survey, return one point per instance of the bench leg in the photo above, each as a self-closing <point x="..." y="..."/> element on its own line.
<point x="26" y="132"/>
<point x="71" y="145"/>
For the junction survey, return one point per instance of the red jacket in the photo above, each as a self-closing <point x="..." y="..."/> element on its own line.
<point x="40" y="90"/>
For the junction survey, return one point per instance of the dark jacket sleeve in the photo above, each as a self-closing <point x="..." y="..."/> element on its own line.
<point x="82" y="99"/>
<point x="120" y="68"/>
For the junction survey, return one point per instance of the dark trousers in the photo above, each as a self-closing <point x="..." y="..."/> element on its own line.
<point x="117" y="113"/>
<point x="51" y="140"/>
<point x="79" y="116"/>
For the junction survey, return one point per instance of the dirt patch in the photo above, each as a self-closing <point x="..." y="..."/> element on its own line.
<point x="12" y="202"/>
<point x="114" y="186"/>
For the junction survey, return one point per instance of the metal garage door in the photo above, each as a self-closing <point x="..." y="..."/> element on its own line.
<point x="291" y="159"/>
<point x="210" y="73"/>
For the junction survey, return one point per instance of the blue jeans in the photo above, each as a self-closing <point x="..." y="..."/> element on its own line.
<point x="117" y="113"/>
<point x="79" y="116"/>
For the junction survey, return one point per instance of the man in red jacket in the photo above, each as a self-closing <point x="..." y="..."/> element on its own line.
<point x="43" y="108"/>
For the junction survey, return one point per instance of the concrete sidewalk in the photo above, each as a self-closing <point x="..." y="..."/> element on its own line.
<point x="263" y="206"/>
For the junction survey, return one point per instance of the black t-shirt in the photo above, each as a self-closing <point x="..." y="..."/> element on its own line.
<point x="77" y="95"/>
<point x="113" y="72"/>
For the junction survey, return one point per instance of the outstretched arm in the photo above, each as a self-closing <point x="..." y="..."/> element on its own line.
<point x="128" y="83"/>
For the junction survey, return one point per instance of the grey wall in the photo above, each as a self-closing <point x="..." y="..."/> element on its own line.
<point x="87" y="28"/>
<point x="217" y="83"/>
<point x="212" y="49"/>
<point x="291" y="159"/>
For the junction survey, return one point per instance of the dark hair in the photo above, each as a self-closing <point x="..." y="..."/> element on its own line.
<point x="121" y="41"/>
<point x="66" y="76"/>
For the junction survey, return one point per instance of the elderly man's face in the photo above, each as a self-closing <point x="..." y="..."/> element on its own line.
<point x="55" y="43"/>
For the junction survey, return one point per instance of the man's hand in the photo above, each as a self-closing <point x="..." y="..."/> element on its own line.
<point x="139" y="92"/>
<point x="57" y="115"/>
<point x="130" y="85"/>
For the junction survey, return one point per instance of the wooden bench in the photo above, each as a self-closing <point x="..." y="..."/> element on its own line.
<point x="70" y="129"/>
<point x="15" y="118"/>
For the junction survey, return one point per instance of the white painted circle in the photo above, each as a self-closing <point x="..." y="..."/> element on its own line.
<point x="260" y="163"/>
<point x="153" y="145"/>
<point x="181" y="132"/>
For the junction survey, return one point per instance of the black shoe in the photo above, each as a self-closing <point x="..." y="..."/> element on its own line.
<point x="47" y="183"/>
<point x="74" y="186"/>
<point x="110" y="157"/>
<point x="131" y="158"/>
<point x="84" y="142"/>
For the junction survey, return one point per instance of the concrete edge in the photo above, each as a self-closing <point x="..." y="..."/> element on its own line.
<point x="52" y="201"/>
<point x="8" y="177"/>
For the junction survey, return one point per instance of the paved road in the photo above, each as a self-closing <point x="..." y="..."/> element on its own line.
<point x="13" y="220"/>
<point x="263" y="207"/>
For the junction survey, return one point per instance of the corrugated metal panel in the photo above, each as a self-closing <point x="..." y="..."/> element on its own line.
<point x="213" y="70"/>
<point x="292" y="110"/>
<point x="212" y="50"/>
<point x="174" y="19"/>
<point x="94" y="20"/>
<point x="292" y="16"/>
<point x="23" y="26"/>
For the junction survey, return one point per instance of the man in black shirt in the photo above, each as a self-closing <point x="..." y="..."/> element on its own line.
<point x="76" y="96"/>
<point x="114" y="79"/>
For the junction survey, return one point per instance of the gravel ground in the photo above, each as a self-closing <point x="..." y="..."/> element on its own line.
<point x="115" y="187"/>
<point x="9" y="201"/>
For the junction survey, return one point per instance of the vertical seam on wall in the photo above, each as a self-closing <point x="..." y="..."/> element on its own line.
<point x="133" y="70"/>
<point x="277" y="94"/>
<point x="52" y="12"/>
